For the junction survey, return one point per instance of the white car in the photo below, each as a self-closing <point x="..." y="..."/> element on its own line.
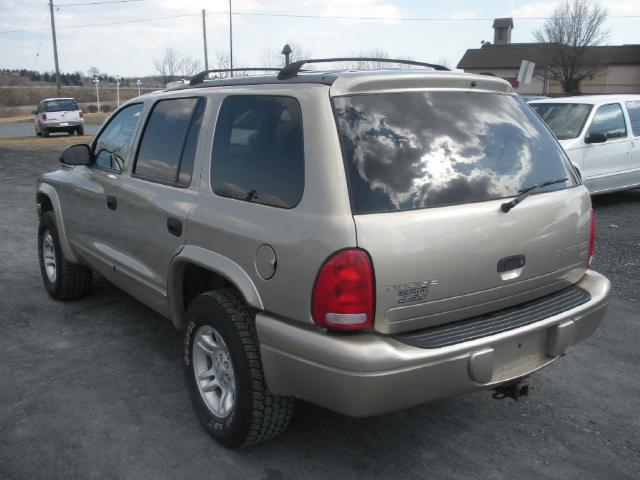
<point x="58" y="115"/>
<point x="601" y="135"/>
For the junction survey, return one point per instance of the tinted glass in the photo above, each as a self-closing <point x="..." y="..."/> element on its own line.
<point x="189" y="152"/>
<point x="413" y="150"/>
<point x="258" y="152"/>
<point x="633" y="109"/>
<point x="62" y="105"/>
<point x="111" y="145"/>
<point x="609" y="120"/>
<point x="164" y="140"/>
<point x="565" y="120"/>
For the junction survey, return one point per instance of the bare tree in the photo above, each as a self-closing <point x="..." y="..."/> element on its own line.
<point x="168" y="65"/>
<point x="221" y="61"/>
<point x="189" y="66"/>
<point x="570" y="35"/>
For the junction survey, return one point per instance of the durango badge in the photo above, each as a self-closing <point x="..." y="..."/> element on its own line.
<point x="411" y="291"/>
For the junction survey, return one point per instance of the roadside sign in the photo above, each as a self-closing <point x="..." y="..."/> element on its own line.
<point x="526" y="71"/>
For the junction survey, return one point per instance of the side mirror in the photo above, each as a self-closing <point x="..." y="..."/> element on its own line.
<point x="79" y="154"/>
<point x="595" y="137"/>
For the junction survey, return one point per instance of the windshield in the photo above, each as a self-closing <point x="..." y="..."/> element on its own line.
<point x="412" y="150"/>
<point x="62" y="105"/>
<point x="564" y="119"/>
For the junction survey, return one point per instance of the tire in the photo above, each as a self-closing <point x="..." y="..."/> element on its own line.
<point x="255" y="414"/>
<point x="38" y="134"/>
<point x="69" y="280"/>
<point x="44" y="132"/>
<point x="80" y="131"/>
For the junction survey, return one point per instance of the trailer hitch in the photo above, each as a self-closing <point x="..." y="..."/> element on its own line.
<point x="518" y="390"/>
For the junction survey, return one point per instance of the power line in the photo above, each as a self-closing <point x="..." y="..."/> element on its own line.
<point x="94" y="3"/>
<point x="291" y="15"/>
<point x="139" y="20"/>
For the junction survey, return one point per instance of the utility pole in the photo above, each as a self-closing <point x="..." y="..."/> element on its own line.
<point x="55" y="47"/>
<point x="204" y="37"/>
<point x="230" y="40"/>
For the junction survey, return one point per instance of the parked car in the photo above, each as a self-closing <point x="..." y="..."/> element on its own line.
<point x="365" y="241"/>
<point x="601" y="135"/>
<point x="58" y="115"/>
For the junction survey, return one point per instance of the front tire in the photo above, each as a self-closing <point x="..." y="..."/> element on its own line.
<point x="62" y="279"/>
<point x="224" y="373"/>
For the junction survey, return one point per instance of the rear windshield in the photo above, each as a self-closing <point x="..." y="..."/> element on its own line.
<point x="564" y="119"/>
<point x="412" y="150"/>
<point x="63" y="105"/>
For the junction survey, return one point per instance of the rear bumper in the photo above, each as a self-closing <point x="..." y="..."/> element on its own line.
<point x="52" y="126"/>
<point x="368" y="374"/>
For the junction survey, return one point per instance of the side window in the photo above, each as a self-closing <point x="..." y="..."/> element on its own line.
<point x="111" y="145"/>
<point x="168" y="146"/>
<point x="258" y="151"/>
<point x="633" y="109"/>
<point x="609" y="120"/>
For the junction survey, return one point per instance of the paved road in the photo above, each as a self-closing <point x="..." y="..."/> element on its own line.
<point x="94" y="388"/>
<point x="26" y="129"/>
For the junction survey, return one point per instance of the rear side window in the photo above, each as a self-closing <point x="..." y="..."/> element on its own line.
<point x="62" y="105"/>
<point x="168" y="146"/>
<point x="412" y="150"/>
<point x="633" y="108"/>
<point x="609" y="120"/>
<point x="258" y="152"/>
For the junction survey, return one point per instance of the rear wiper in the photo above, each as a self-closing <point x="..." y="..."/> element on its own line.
<point x="506" y="206"/>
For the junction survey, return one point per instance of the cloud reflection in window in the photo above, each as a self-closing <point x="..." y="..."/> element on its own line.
<point x="423" y="149"/>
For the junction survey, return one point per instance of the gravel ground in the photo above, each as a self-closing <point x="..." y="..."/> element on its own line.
<point x="93" y="388"/>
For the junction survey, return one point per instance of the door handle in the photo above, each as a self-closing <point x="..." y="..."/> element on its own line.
<point x="112" y="202"/>
<point x="174" y="226"/>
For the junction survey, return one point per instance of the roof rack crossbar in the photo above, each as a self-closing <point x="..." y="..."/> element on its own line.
<point x="294" y="68"/>
<point x="200" y="77"/>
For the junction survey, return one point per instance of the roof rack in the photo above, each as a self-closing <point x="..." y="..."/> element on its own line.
<point x="200" y="77"/>
<point x="294" y="68"/>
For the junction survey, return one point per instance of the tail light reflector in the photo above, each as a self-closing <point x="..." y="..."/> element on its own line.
<point x="343" y="295"/>
<point x="81" y="114"/>
<point x="44" y="116"/>
<point x="592" y="238"/>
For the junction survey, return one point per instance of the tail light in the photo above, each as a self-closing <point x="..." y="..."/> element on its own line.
<point x="44" y="116"/>
<point x="81" y="114"/>
<point x="343" y="295"/>
<point x="592" y="238"/>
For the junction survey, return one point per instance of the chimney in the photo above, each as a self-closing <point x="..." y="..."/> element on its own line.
<point x="502" y="31"/>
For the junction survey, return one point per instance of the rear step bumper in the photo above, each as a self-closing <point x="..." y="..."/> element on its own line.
<point x="368" y="374"/>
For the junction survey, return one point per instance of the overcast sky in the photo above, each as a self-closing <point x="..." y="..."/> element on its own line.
<point x="128" y="48"/>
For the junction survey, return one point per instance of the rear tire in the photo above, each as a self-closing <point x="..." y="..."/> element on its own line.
<point x="62" y="279"/>
<point x="44" y="132"/>
<point x="222" y="330"/>
<point x="80" y="131"/>
<point x="38" y="134"/>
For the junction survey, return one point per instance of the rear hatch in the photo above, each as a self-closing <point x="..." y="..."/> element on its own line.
<point x="62" y="110"/>
<point x="427" y="173"/>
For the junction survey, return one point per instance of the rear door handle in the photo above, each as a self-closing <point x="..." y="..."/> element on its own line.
<point x="174" y="226"/>
<point x="112" y="202"/>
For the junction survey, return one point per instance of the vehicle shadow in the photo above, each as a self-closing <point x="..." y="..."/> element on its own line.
<point x="617" y="198"/>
